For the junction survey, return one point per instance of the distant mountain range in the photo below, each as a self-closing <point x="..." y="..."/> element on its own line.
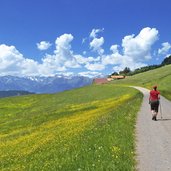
<point x="43" y="84"/>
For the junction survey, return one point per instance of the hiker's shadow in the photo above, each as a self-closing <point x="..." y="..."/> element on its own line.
<point x="164" y="119"/>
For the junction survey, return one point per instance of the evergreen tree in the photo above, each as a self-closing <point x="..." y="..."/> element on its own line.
<point x="115" y="73"/>
<point x="125" y="71"/>
<point x="167" y="61"/>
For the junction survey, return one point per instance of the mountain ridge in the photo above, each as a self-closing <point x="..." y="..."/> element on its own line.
<point x="40" y="84"/>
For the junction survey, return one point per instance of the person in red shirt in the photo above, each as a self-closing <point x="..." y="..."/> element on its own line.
<point x="154" y="102"/>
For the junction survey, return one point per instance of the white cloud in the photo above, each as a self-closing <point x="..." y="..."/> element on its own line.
<point x="63" y="53"/>
<point x="63" y="57"/>
<point x="136" y="50"/>
<point x="91" y="74"/>
<point x="165" y="48"/>
<point x="9" y="56"/>
<point x="130" y="64"/>
<point x="112" y="59"/>
<point x="63" y="42"/>
<point x="12" y="62"/>
<point x="51" y="64"/>
<point x="85" y="60"/>
<point x="114" y="48"/>
<point x="95" y="67"/>
<point x="133" y="53"/>
<point x="139" y="47"/>
<point x="30" y="67"/>
<point x="66" y="74"/>
<point x="96" y="44"/>
<point x="94" y="32"/>
<point x="43" y="45"/>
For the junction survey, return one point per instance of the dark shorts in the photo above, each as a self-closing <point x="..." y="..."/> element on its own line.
<point x="154" y="105"/>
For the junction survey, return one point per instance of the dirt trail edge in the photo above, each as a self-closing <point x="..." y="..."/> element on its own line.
<point x="153" y="137"/>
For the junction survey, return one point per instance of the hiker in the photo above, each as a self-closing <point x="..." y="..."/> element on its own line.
<point x="154" y="102"/>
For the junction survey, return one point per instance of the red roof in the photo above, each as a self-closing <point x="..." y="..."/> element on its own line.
<point x="100" y="80"/>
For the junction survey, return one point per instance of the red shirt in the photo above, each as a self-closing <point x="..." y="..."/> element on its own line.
<point x="154" y="95"/>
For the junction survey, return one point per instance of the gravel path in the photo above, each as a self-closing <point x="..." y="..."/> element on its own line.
<point x="153" y="137"/>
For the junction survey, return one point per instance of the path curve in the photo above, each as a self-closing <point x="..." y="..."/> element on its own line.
<point x="153" y="137"/>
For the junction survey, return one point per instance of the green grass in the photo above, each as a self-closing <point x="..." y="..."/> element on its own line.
<point x="160" y="77"/>
<point x="90" y="128"/>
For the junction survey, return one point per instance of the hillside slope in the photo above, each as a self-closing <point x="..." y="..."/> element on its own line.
<point x="90" y="128"/>
<point x="160" y="76"/>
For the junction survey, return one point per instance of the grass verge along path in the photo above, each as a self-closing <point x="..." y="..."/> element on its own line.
<point x="160" y="77"/>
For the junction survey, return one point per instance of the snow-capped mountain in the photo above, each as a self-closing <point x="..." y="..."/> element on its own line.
<point x="38" y="84"/>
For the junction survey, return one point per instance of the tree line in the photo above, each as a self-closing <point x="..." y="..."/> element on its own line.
<point x="127" y="71"/>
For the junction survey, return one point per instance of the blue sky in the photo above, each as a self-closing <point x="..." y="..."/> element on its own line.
<point x="83" y="37"/>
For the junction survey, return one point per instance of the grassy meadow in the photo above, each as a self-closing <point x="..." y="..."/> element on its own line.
<point x="85" y="129"/>
<point x="160" y="77"/>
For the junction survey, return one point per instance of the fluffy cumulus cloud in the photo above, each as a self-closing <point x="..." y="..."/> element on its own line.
<point x="134" y="52"/>
<point x="62" y="58"/>
<point x="96" y="43"/>
<point x="95" y="66"/>
<point x="114" y="48"/>
<point x="10" y="57"/>
<point x="63" y="53"/>
<point x="43" y="45"/>
<point x="165" y="48"/>
<point x="12" y="62"/>
<point x="85" y="60"/>
<point x="138" y="47"/>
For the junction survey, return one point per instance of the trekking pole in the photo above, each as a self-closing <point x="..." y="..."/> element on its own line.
<point x="160" y="110"/>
